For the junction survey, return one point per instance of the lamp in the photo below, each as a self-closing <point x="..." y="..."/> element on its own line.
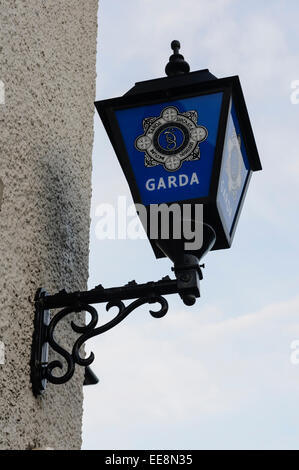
<point x="187" y="150"/>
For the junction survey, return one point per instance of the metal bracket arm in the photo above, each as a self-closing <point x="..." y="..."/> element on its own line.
<point x="186" y="285"/>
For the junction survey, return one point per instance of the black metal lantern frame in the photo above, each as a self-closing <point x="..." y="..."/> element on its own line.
<point x="181" y="87"/>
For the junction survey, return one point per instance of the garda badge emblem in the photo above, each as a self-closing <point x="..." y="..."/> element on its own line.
<point x="171" y="138"/>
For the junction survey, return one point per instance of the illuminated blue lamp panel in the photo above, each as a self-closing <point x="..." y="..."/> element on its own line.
<point x="234" y="172"/>
<point x="171" y="147"/>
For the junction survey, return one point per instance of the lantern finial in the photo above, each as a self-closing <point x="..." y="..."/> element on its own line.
<point x="176" y="65"/>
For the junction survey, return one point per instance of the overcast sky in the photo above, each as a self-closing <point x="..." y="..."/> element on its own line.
<point x="217" y="375"/>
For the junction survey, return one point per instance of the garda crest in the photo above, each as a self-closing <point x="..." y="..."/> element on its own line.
<point x="171" y="138"/>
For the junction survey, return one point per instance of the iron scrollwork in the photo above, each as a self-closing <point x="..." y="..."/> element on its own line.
<point x="43" y="371"/>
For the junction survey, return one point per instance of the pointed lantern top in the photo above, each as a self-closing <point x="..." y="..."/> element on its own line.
<point x="176" y="65"/>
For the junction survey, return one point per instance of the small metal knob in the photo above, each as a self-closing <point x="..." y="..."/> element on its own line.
<point x="176" y="65"/>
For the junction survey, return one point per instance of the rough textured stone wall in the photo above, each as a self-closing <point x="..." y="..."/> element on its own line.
<point x="47" y="65"/>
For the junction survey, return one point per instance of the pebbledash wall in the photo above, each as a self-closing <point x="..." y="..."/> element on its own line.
<point x="47" y="75"/>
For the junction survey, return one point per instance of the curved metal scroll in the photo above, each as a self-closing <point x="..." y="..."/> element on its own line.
<point x="45" y="371"/>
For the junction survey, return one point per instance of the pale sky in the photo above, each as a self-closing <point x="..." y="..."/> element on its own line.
<point x="217" y="375"/>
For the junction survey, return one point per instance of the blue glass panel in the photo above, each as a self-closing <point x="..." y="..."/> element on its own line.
<point x="234" y="171"/>
<point x="171" y="146"/>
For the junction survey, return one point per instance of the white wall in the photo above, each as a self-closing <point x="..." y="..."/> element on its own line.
<point x="47" y="66"/>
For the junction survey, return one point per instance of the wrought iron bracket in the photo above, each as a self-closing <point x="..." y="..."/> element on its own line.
<point x="186" y="285"/>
